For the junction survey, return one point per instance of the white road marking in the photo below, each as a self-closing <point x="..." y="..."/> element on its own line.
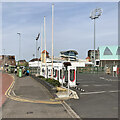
<point x="96" y="85"/>
<point x="102" y="78"/>
<point x="114" y="91"/>
<point x="88" y="93"/>
<point x="107" y="79"/>
<point x="13" y="93"/>
<point x="85" y="85"/>
<point x="102" y="85"/>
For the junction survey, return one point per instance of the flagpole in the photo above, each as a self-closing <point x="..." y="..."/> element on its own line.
<point x="41" y="48"/>
<point x="52" y="38"/>
<point x="45" y="45"/>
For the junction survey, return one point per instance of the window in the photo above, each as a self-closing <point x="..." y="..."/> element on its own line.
<point x="66" y="53"/>
<point x="118" y="51"/>
<point x="55" y="73"/>
<point x="107" y="51"/>
<point x="61" y="73"/>
<point x="72" y="54"/>
<point x="72" y="75"/>
<point x="43" y="70"/>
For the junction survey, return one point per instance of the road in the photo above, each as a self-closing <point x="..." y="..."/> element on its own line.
<point x="100" y="99"/>
<point x="27" y="98"/>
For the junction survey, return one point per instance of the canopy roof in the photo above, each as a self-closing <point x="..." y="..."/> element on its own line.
<point x="109" y="52"/>
<point x="70" y="51"/>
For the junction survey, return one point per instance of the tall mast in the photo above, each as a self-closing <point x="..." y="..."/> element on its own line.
<point x="45" y="46"/>
<point x="41" y="48"/>
<point x="52" y="38"/>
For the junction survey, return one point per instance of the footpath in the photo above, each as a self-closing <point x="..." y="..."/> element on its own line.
<point x="27" y="98"/>
<point x="5" y="81"/>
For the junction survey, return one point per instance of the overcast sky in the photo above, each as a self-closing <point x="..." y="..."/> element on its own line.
<point x="73" y="29"/>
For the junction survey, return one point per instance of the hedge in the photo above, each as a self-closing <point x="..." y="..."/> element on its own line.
<point x="53" y="82"/>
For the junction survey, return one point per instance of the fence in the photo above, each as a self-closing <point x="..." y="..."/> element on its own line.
<point x="33" y="70"/>
<point x="90" y="69"/>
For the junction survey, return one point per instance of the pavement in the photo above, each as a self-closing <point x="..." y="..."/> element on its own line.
<point x="27" y="98"/>
<point x="100" y="99"/>
<point x="5" y="81"/>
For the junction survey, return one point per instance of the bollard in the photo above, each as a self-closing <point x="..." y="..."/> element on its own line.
<point x="20" y="72"/>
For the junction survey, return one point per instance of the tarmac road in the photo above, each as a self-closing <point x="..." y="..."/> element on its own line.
<point x="29" y="99"/>
<point x="100" y="99"/>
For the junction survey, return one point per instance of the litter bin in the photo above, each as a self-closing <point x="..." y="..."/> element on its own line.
<point x="20" y="72"/>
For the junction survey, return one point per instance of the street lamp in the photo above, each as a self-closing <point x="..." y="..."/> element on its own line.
<point x="38" y="59"/>
<point x="52" y="38"/>
<point x="37" y="50"/>
<point x="93" y="15"/>
<point x="19" y="43"/>
<point x="37" y="43"/>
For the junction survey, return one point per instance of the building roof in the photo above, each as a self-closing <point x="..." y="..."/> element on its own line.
<point x="88" y="57"/>
<point x="109" y="52"/>
<point x="69" y="51"/>
<point x="44" y="51"/>
<point x="34" y="59"/>
<point x="22" y="60"/>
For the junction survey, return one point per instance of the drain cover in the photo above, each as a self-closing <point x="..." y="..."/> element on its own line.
<point x="29" y="112"/>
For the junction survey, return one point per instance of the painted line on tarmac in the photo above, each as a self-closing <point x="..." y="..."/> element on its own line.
<point x="85" y="85"/>
<point x="88" y="93"/>
<point x="98" y="92"/>
<point x="97" y="85"/>
<point x="102" y="78"/>
<point x="70" y="111"/>
<point x="102" y="85"/>
<point x="13" y="93"/>
<point x="18" y="98"/>
<point x="114" y="91"/>
<point x="108" y="79"/>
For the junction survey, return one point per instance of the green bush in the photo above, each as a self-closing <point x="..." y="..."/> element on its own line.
<point x="55" y="83"/>
<point x="40" y="76"/>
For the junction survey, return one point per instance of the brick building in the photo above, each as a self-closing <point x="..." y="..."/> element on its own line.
<point x="7" y="60"/>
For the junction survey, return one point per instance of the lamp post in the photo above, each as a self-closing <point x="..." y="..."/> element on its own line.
<point x="41" y="49"/>
<point x="37" y="44"/>
<point x="52" y="38"/>
<point x="38" y="59"/>
<point x="19" y="44"/>
<point x="45" y="46"/>
<point x="93" y="15"/>
<point x="37" y="50"/>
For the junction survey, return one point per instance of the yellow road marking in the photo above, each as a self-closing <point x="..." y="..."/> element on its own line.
<point x="18" y="98"/>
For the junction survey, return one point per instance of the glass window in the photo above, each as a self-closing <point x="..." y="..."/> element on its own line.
<point x="66" y="75"/>
<point x="61" y="73"/>
<point x="66" y="53"/>
<point x="118" y="51"/>
<point x="43" y="70"/>
<point x="72" y="54"/>
<point x="72" y="75"/>
<point x="107" y="51"/>
<point x="55" y="73"/>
